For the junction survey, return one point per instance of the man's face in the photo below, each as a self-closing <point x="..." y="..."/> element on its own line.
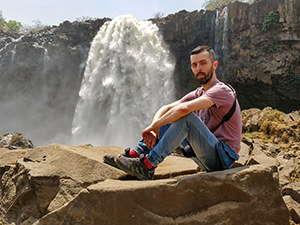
<point x="203" y="67"/>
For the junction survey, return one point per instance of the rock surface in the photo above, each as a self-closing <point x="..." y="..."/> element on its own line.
<point x="60" y="184"/>
<point x="38" y="181"/>
<point x="14" y="141"/>
<point x="273" y="139"/>
<point x="236" y="196"/>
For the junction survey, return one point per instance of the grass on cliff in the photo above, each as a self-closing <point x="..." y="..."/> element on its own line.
<point x="274" y="129"/>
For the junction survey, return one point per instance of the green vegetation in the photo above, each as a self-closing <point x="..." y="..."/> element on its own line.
<point x="13" y="26"/>
<point x="158" y="15"/>
<point x="84" y="18"/>
<point x="37" y="26"/>
<point x="2" y="22"/>
<point x="271" y="20"/>
<point x="257" y="135"/>
<point x="293" y="78"/>
<point x="215" y="4"/>
<point x="10" y="26"/>
<point x="275" y="45"/>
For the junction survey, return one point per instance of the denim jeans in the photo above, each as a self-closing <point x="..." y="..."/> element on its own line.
<point x="211" y="154"/>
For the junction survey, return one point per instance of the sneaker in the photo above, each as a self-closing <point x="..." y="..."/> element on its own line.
<point x="110" y="159"/>
<point x="135" y="167"/>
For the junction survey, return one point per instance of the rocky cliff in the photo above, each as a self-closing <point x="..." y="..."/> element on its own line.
<point x="39" y="186"/>
<point x="258" y="52"/>
<point x="40" y="79"/>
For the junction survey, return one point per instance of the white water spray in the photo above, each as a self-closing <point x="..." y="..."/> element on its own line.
<point x="129" y="75"/>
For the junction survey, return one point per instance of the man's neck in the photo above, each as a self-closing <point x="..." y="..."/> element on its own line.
<point x="210" y="83"/>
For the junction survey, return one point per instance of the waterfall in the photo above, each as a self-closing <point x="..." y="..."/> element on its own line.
<point x="221" y="39"/>
<point x="128" y="76"/>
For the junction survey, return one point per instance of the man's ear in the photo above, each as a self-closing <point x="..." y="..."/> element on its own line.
<point x="216" y="63"/>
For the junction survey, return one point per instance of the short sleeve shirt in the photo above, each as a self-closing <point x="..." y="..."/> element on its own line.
<point x="223" y="96"/>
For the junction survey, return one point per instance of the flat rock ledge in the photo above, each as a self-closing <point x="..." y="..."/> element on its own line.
<point x="60" y="184"/>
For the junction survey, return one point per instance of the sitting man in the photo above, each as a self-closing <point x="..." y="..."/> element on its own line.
<point x="207" y="122"/>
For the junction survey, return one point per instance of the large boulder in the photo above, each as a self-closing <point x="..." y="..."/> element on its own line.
<point x="245" y="195"/>
<point x="14" y="141"/>
<point x="60" y="184"/>
<point x="37" y="181"/>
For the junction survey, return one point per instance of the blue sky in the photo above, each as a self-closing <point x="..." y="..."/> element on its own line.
<point x="53" y="12"/>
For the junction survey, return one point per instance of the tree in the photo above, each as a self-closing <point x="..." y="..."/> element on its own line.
<point x="2" y="22"/>
<point x="158" y="15"/>
<point x="37" y="26"/>
<point x="12" y="26"/>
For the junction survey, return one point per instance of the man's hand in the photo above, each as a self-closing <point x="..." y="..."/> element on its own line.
<point x="150" y="135"/>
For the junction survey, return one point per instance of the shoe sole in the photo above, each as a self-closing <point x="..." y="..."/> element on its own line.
<point x="129" y="172"/>
<point x="110" y="162"/>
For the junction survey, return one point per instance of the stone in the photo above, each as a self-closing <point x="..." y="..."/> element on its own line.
<point x="259" y="157"/>
<point x="14" y="141"/>
<point x="294" y="208"/>
<point x="247" y="141"/>
<point x="37" y="181"/>
<point x="59" y="184"/>
<point x="242" y="194"/>
<point x="286" y="170"/>
<point x="293" y="190"/>
<point x="295" y="115"/>
<point x="244" y="156"/>
<point x="252" y="118"/>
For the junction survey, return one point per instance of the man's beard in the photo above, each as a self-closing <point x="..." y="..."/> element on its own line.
<point x="206" y="78"/>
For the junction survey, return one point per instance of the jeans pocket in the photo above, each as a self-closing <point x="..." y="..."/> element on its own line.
<point x="226" y="155"/>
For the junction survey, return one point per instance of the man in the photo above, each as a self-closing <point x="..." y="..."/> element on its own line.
<point x="197" y="121"/>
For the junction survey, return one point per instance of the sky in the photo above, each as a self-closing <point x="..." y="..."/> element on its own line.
<point x="54" y="12"/>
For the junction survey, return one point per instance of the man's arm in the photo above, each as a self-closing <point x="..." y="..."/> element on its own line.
<point x="163" y="110"/>
<point x="151" y="136"/>
<point x="173" y="112"/>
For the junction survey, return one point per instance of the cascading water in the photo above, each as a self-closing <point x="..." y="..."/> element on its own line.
<point x="221" y="39"/>
<point x="128" y="76"/>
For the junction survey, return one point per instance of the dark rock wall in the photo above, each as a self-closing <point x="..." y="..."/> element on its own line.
<point x="262" y="66"/>
<point x="40" y="79"/>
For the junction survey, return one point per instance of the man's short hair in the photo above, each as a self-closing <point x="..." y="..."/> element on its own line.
<point x="199" y="49"/>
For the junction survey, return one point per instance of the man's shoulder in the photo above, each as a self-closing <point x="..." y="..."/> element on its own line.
<point x="221" y="87"/>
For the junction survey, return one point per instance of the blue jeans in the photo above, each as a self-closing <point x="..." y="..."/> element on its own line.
<point x="211" y="154"/>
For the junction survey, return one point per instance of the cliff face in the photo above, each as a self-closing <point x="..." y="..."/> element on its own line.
<point x="41" y="72"/>
<point x="40" y="79"/>
<point x="263" y="66"/>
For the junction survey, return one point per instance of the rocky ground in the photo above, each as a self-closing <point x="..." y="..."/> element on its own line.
<point x="273" y="138"/>
<point x="60" y="184"/>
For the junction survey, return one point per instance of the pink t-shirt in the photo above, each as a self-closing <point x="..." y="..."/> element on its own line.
<point x="230" y="131"/>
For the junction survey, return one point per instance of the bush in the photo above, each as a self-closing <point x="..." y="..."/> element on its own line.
<point x="275" y="45"/>
<point x="12" y="26"/>
<point x="271" y="20"/>
<point x="37" y="26"/>
<point x="271" y="121"/>
<point x="293" y="78"/>
<point x="215" y="4"/>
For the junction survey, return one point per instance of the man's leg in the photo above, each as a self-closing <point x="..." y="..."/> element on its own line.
<point x="141" y="147"/>
<point x="191" y="127"/>
<point x="140" y="150"/>
<point x="198" y="135"/>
